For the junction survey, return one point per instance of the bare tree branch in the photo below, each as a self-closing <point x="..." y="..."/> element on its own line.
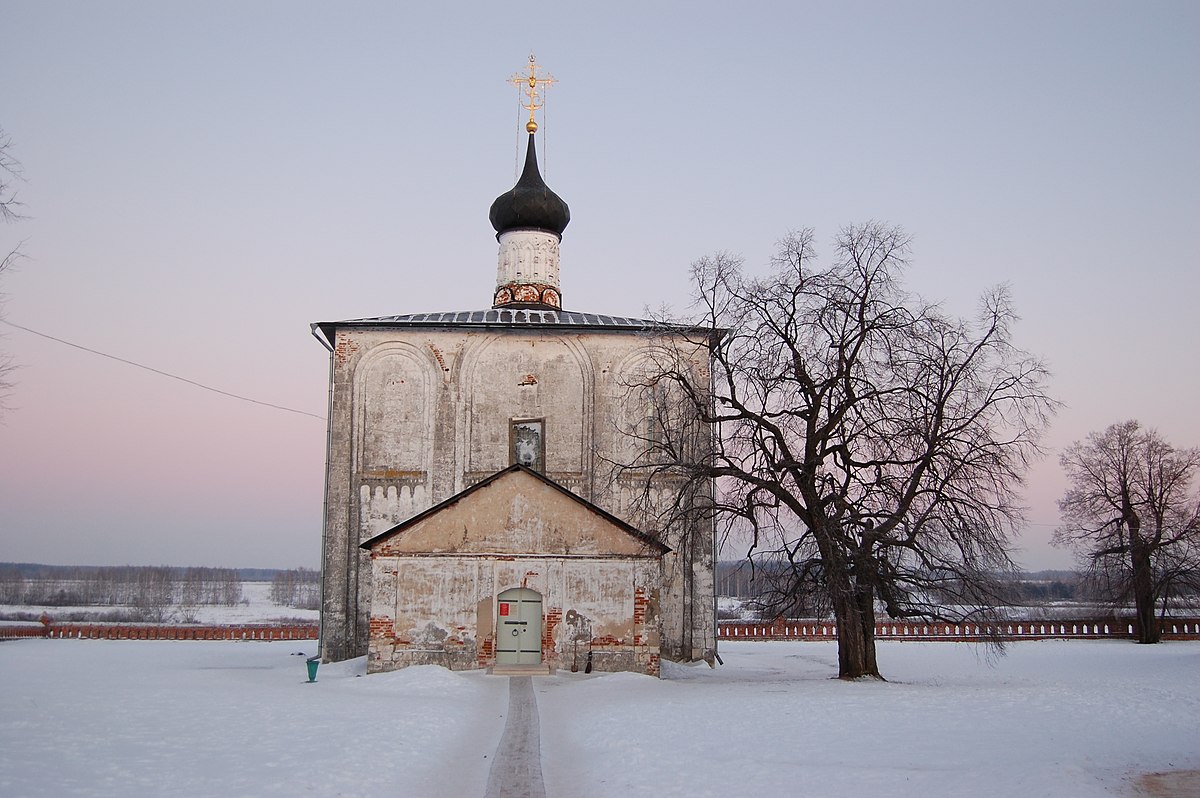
<point x="858" y="434"/>
<point x="1131" y="515"/>
<point x="10" y="173"/>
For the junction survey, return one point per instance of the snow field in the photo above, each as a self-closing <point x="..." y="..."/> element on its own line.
<point x="161" y="718"/>
<point x="165" y="718"/>
<point x="1052" y="718"/>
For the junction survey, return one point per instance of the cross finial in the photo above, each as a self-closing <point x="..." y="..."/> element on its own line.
<point x="532" y="85"/>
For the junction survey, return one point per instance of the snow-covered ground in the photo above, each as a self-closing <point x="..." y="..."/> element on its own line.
<point x="1052" y="718"/>
<point x="161" y="718"/>
<point x="148" y="718"/>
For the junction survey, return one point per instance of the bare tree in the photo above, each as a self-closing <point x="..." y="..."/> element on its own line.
<point x="10" y="174"/>
<point x="861" y="436"/>
<point x="1131" y="514"/>
<point x="297" y="587"/>
<point x="154" y="592"/>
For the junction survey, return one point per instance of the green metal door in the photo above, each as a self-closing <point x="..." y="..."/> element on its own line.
<point x="519" y="631"/>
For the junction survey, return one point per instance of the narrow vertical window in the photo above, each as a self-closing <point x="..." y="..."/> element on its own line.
<point x="651" y="428"/>
<point x="650" y="425"/>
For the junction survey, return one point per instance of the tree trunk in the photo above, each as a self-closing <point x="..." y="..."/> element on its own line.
<point x="1143" y="592"/>
<point x="855" y="629"/>
<point x="866" y="613"/>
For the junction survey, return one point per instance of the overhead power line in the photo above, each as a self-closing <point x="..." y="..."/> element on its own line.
<point x="160" y="372"/>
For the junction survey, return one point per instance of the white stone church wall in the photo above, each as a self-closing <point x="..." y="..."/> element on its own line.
<point x="419" y="415"/>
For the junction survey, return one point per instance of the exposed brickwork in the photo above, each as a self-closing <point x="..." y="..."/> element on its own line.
<point x="346" y="347"/>
<point x="640" y="603"/>
<point x="553" y="618"/>
<point x="441" y="359"/>
<point x="486" y="655"/>
<point x="382" y="627"/>
<point x="607" y="641"/>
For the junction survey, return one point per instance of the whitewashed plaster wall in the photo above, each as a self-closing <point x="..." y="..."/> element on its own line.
<point x="441" y="611"/>
<point x="420" y="414"/>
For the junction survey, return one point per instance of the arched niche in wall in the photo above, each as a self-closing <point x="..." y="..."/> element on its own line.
<point x="635" y="400"/>
<point x="645" y="418"/>
<point x="394" y="403"/>
<point x="532" y="376"/>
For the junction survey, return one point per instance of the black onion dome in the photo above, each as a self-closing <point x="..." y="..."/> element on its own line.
<point x="530" y="203"/>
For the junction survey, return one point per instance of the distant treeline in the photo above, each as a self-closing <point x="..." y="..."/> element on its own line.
<point x="153" y="593"/>
<point x="297" y="587"/>
<point x="146" y="587"/>
<point x="769" y="588"/>
<point x="31" y="570"/>
<point x="764" y="580"/>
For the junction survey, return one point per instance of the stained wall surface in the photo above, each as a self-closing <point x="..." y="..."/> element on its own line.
<point x="418" y="414"/>
<point x="435" y="582"/>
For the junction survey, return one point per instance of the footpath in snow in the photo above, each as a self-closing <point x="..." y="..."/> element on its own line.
<point x="517" y="766"/>
<point x="156" y="718"/>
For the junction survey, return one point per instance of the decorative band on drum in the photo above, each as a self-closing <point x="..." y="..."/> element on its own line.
<point x="527" y="295"/>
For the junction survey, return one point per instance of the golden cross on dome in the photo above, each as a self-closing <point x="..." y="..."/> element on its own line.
<point x="532" y="85"/>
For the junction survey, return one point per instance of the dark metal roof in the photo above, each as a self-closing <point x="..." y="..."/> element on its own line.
<point x="509" y="316"/>
<point x="506" y="317"/>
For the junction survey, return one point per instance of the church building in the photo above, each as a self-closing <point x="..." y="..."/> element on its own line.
<point x="479" y="507"/>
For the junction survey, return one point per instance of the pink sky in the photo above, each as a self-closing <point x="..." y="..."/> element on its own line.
<point x="204" y="182"/>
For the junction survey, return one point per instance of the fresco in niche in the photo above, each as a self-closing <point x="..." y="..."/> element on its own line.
<point x="528" y="446"/>
<point x="394" y="412"/>
<point x="525" y="293"/>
